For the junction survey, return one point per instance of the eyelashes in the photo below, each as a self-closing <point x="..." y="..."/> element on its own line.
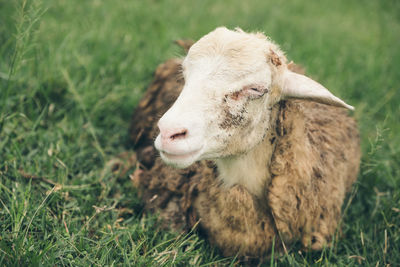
<point x="252" y="91"/>
<point x="255" y="91"/>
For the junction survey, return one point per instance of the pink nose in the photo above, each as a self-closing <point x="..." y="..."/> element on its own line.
<point x="170" y="135"/>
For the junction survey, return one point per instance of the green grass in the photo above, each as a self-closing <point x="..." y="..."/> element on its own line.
<point x="71" y="73"/>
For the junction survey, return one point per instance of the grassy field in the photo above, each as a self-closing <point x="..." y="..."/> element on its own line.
<point x="71" y="73"/>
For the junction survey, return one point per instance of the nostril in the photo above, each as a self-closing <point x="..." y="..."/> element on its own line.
<point x="179" y="135"/>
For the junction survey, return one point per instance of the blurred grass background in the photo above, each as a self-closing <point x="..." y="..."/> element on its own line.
<point x="71" y="73"/>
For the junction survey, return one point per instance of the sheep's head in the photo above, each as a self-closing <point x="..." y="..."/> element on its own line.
<point x="232" y="81"/>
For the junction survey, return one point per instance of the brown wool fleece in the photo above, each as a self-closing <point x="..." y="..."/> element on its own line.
<point x="315" y="160"/>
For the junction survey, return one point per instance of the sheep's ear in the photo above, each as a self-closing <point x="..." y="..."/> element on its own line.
<point x="185" y="44"/>
<point x="299" y="86"/>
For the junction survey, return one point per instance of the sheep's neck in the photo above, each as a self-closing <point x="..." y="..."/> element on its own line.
<point x="250" y="170"/>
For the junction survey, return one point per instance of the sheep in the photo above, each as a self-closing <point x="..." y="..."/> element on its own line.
<point x="252" y="153"/>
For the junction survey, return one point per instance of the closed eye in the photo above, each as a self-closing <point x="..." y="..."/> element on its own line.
<point x="250" y="91"/>
<point x="255" y="90"/>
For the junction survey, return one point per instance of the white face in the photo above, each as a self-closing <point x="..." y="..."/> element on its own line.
<point x="232" y="80"/>
<point x="224" y="107"/>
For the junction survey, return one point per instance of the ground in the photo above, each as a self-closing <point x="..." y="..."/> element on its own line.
<point x="71" y="73"/>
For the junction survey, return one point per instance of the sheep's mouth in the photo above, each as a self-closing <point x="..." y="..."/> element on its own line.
<point x="181" y="160"/>
<point x="180" y="155"/>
